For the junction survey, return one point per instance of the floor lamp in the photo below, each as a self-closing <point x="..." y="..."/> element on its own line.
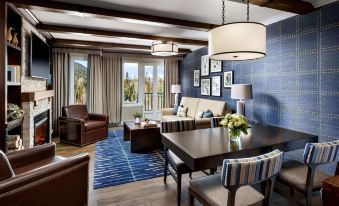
<point x="176" y="89"/>
<point x="241" y="92"/>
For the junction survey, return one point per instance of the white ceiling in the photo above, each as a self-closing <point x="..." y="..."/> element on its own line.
<point x="207" y="11"/>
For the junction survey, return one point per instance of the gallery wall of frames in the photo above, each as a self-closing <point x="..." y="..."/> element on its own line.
<point x="295" y="86"/>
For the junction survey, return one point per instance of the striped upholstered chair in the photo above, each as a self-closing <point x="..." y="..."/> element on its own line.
<point x="215" y="121"/>
<point x="173" y="163"/>
<point x="305" y="178"/>
<point x="232" y="186"/>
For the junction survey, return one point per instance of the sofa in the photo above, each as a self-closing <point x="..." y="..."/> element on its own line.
<point x="78" y="127"/>
<point x="37" y="176"/>
<point x="195" y="106"/>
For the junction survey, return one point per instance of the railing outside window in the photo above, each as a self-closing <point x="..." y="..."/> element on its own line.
<point x="148" y="101"/>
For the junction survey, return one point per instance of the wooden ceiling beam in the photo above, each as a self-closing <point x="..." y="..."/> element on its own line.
<point x="103" y="45"/>
<point x="63" y="7"/>
<point x="97" y="32"/>
<point x="293" y="6"/>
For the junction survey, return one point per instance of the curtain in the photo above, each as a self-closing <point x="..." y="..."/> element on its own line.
<point x="60" y="85"/>
<point x="105" y="86"/>
<point x="95" y="100"/>
<point x="171" y="77"/>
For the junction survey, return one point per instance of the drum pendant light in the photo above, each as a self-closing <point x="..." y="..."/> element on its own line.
<point x="237" y="40"/>
<point x="164" y="49"/>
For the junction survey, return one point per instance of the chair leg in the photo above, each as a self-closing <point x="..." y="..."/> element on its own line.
<point x="190" y="198"/>
<point x="269" y="191"/>
<point x="179" y="188"/>
<point x="190" y="175"/>
<point x="166" y="166"/>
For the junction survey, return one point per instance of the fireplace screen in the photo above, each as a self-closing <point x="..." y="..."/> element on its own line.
<point x="41" y="128"/>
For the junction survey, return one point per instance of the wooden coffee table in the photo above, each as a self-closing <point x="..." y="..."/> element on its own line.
<point x="142" y="139"/>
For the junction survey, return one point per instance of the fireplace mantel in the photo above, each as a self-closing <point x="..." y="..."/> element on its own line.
<point x="35" y="96"/>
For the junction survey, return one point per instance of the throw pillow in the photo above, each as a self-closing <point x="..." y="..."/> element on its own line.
<point x="207" y="114"/>
<point x="175" y="110"/>
<point x="182" y="112"/>
<point x="199" y="115"/>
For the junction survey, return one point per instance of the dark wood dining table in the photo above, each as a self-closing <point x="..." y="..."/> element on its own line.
<point x="207" y="148"/>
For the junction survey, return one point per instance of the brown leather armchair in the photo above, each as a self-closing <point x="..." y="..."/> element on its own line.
<point x="36" y="176"/>
<point x="78" y="127"/>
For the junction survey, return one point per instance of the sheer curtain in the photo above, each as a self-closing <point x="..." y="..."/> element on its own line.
<point x="60" y="85"/>
<point x="105" y="86"/>
<point x="171" y="77"/>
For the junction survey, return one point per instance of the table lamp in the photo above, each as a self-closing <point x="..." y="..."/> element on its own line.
<point x="241" y="92"/>
<point x="176" y="89"/>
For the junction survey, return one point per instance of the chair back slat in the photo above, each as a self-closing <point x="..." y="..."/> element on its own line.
<point x="251" y="170"/>
<point x="321" y="153"/>
<point x="177" y="126"/>
<point x="215" y="121"/>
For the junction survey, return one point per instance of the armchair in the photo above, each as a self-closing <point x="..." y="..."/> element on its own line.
<point x="78" y="127"/>
<point x="36" y="176"/>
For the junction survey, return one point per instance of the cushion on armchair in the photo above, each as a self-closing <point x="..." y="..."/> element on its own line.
<point x="75" y="111"/>
<point x="94" y="124"/>
<point x="6" y="170"/>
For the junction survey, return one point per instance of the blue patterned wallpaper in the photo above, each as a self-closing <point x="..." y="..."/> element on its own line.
<point x="296" y="85"/>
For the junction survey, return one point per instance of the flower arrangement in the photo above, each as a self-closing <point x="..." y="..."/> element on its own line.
<point x="137" y="115"/>
<point x="236" y="124"/>
<point x="14" y="112"/>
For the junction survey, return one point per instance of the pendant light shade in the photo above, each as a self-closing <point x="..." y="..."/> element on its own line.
<point x="237" y="41"/>
<point x="164" y="49"/>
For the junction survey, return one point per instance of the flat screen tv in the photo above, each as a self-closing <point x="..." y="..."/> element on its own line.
<point x="39" y="66"/>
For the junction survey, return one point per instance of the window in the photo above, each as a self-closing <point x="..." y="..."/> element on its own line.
<point x="131" y="83"/>
<point x="78" y="79"/>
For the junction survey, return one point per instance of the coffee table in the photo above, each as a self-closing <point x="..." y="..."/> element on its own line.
<point x="143" y="139"/>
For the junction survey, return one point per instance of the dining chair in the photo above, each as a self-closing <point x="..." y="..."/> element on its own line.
<point x="173" y="163"/>
<point x="232" y="186"/>
<point x="305" y="178"/>
<point x="215" y="121"/>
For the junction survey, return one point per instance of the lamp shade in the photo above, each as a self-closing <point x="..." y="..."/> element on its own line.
<point x="164" y="49"/>
<point x="176" y="89"/>
<point x="241" y="91"/>
<point x="237" y="41"/>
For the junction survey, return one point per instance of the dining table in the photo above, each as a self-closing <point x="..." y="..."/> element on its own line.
<point x="204" y="149"/>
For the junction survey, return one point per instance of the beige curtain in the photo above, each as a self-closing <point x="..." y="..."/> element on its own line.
<point x="171" y="77"/>
<point x="95" y="100"/>
<point x="60" y="85"/>
<point x="111" y="68"/>
<point x="105" y="86"/>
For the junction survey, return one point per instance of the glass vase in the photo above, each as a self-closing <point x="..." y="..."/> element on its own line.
<point x="232" y="135"/>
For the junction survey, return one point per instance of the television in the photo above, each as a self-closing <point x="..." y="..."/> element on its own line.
<point x="40" y="52"/>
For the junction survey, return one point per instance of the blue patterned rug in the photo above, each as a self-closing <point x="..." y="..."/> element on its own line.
<point x="114" y="164"/>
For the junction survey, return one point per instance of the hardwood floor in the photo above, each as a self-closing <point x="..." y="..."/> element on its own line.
<point x="152" y="192"/>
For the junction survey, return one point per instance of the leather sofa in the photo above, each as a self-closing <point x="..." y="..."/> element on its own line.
<point x="78" y="127"/>
<point x="36" y="176"/>
<point x="196" y="105"/>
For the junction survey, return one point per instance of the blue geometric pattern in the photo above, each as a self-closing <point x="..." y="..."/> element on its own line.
<point x="296" y="85"/>
<point x="114" y="164"/>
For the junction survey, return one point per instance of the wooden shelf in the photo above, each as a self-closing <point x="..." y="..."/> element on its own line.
<point x="14" y="123"/>
<point x="13" y="46"/>
<point x="35" y="96"/>
<point x="13" y="84"/>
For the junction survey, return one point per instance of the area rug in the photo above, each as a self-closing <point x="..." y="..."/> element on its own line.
<point x="114" y="164"/>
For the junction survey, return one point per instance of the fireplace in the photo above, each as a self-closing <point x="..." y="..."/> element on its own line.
<point x="41" y="128"/>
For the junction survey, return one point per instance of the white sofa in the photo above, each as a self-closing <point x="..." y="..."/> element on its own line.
<point x="196" y="105"/>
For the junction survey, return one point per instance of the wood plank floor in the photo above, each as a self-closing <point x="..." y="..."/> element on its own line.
<point x="152" y="192"/>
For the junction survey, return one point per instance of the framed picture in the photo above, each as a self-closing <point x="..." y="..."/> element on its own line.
<point x="206" y="87"/>
<point x="205" y="66"/>
<point x="196" y="78"/>
<point x="216" y="86"/>
<point x="228" y="79"/>
<point x="216" y="66"/>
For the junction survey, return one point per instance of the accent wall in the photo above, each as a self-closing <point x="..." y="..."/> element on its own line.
<point x="296" y="85"/>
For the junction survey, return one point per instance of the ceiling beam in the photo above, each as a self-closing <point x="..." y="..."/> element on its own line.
<point x="97" y="32"/>
<point x="104" y="45"/>
<point x="293" y="6"/>
<point x="62" y="7"/>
